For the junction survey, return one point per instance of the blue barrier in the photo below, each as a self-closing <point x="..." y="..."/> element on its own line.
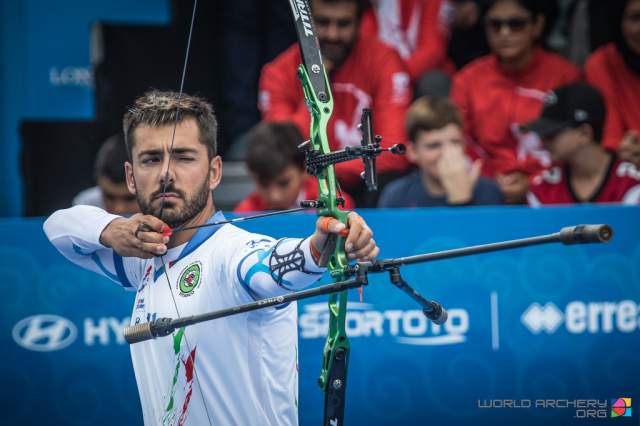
<point x="539" y="334"/>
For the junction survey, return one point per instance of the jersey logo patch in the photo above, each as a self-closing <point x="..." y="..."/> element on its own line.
<point x="189" y="279"/>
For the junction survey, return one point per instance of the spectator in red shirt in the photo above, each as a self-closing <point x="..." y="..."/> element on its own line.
<point x="571" y="126"/>
<point x="278" y="170"/>
<point x="419" y="30"/>
<point x="499" y="92"/>
<point x="615" y="70"/>
<point x="363" y="72"/>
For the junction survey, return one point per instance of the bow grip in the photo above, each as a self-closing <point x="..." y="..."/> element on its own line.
<point x="329" y="247"/>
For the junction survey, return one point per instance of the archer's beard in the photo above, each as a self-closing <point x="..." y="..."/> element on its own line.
<point x="176" y="218"/>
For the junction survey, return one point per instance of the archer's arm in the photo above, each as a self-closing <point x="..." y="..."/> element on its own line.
<point x="289" y="265"/>
<point x="78" y="233"/>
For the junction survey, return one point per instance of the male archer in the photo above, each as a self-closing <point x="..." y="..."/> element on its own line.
<point x="240" y="369"/>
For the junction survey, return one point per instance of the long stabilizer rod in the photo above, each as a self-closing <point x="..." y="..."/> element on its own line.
<point x="580" y="234"/>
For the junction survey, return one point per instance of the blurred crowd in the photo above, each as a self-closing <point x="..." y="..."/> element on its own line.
<point x="498" y="101"/>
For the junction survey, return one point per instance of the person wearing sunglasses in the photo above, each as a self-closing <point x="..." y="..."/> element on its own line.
<point x="498" y="92"/>
<point x="615" y="70"/>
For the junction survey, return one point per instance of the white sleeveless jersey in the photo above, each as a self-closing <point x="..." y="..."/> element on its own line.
<point x="241" y="369"/>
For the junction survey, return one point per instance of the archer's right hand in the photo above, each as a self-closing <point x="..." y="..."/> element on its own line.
<point x="138" y="236"/>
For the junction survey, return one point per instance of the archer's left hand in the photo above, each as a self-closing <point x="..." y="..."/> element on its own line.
<point x="359" y="243"/>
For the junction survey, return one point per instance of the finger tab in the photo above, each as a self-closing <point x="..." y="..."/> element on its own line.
<point x="142" y="227"/>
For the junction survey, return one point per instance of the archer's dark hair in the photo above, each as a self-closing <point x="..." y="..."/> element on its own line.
<point x="157" y="108"/>
<point x="110" y="159"/>
<point x="271" y="147"/>
<point x="431" y="113"/>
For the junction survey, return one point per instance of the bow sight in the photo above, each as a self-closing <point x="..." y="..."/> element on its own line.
<point x="368" y="151"/>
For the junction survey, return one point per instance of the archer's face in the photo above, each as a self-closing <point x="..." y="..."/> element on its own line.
<point x="191" y="176"/>
<point x="337" y="27"/>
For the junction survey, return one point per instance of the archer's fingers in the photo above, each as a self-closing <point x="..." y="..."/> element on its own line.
<point x="360" y="235"/>
<point x="149" y="236"/>
<point x="148" y="223"/>
<point x="150" y="243"/>
<point x="330" y="225"/>
<point x="368" y="252"/>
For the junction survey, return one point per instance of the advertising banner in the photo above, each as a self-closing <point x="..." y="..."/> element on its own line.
<point x="548" y="333"/>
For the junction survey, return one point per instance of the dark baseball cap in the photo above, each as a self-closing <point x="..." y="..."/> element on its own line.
<point x="570" y="106"/>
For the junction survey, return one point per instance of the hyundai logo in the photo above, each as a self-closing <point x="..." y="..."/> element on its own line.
<point x="44" y="333"/>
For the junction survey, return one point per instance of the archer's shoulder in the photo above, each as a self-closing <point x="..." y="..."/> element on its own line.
<point x="231" y="241"/>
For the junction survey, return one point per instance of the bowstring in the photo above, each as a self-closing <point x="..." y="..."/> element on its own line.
<point x="175" y="124"/>
<point x="164" y="191"/>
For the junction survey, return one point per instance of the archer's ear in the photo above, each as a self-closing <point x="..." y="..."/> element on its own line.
<point x="216" y="172"/>
<point x="128" y="168"/>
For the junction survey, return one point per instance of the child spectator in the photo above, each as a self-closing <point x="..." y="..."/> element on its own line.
<point x="278" y="169"/>
<point x="111" y="192"/>
<point x="498" y="92"/>
<point x="615" y="70"/>
<point x="571" y="125"/>
<point x="444" y="178"/>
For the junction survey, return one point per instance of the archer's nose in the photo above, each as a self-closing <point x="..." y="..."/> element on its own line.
<point x="166" y="174"/>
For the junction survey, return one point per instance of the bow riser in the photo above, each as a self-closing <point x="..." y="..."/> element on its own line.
<point x="337" y="344"/>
